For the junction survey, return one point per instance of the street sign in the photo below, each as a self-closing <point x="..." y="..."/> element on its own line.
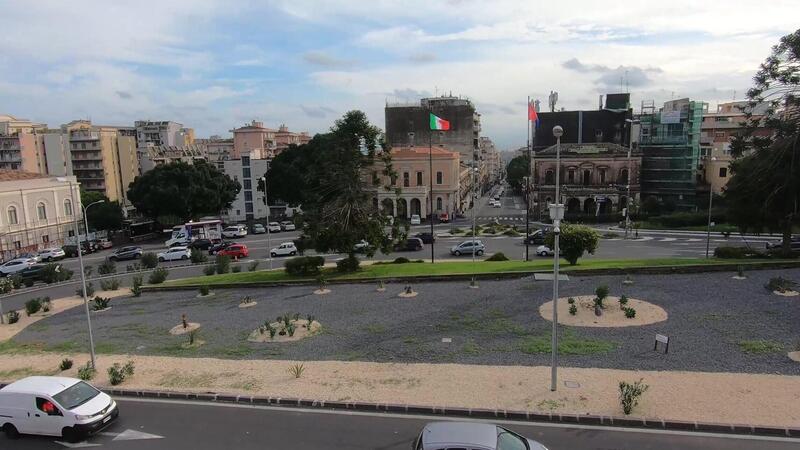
<point x="664" y="340"/>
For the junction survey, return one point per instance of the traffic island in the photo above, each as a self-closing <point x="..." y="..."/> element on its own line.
<point x="613" y="314"/>
<point x="285" y="330"/>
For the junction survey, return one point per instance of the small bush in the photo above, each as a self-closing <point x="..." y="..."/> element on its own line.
<point x="779" y="284"/>
<point x="210" y="269"/>
<point x="297" y="370"/>
<point x="223" y="264"/>
<point x="456" y="230"/>
<point x="290" y="329"/>
<point x="100" y="303"/>
<point x="601" y="292"/>
<point x="512" y="233"/>
<point x="573" y="309"/>
<point x="252" y="266"/>
<point x="117" y="373"/>
<point x="629" y="394"/>
<point x="158" y="276"/>
<point x="198" y="256"/>
<point x="623" y="300"/>
<point x="16" y="281"/>
<point x="46" y="304"/>
<point x="304" y="265"/>
<point x="13" y="317"/>
<point x="136" y="287"/>
<point x="348" y="265"/>
<point x="107" y="267"/>
<point x="54" y="273"/>
<point x="401" y="260"/>
<point x="149" y="260"/>
<point x="28" y="282"/>
<point x="6" y="285"/>
<point x="87" y="270"/>
<point x="89" y="290"/>
<point x="110" y="285"/>
<point x="66" y="364"/>
<point x="738" y="253"/>
<point x="571" y="301"/>
<point x="236" y="269"/>
<point x="630" y="313"/>
<point x="33" y="306"/>
<point x="204" y="290"/>
<point x="86" y="372"/>
<point x="499" y="256"/>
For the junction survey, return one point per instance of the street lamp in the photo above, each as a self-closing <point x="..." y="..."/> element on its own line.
<point x="630" y="175"/>
<point x="710" y="199"/>
<point x="269" y="240"/>
<point x="86" y="217"/>
<point x="556" y="213"/>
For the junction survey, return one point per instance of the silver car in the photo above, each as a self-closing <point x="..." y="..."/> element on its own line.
<point x="472" y="436"/>
<point x="467" y="247"/>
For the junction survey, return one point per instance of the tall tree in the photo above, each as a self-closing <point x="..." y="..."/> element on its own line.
<point x="764" y="190"/>
<point x="516" y="171"/>
<point x="103" y="216"/>
<point x="334" y="178"/>
<point x="187" y="191"/>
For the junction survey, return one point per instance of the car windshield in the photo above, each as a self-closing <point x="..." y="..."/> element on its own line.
<point x="509" y="441"/>
<point x="76" y="395"/>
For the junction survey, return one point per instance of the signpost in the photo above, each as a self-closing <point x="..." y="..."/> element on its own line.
<point x="664" y="340"/>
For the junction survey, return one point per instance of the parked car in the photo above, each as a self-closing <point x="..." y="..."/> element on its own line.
<point x="497" y="204"/>
<point x="234" y="231"/>
<point x="258" y="229"/>
<point x="102" y="244"/>
<point x="288" y="225"/>
<point x="15" y="265"/>
<point x="535" y="238"/>
<point x="124" y="253"/>
<point x="214" y="249"/>
<point x="34" y="272"/>
<point x="794" y="243"/>
<point x="544" y="250"/>
<point x="409" y="245"/>
<point x="444" y="217"/>
<point x="71" y="250"/>
<point x="471" y="435"/>
<point x="285" y="249"/>
<point x="175" y="254"/>
<point x="361" y="246"/>
<point x="52" y="254"/>
<point x="55" y="406"/>
<point x="468" y="247"/>
<point x="235" y="251"/>
<point x="274" y="227"/>
<point x="415" y="219"/>
<point x="30" y="255"/>
<point x="200" y="244"/>
<point x="427" y="238"/>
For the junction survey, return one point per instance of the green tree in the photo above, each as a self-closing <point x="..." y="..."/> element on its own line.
<point x="764" y="190"/>
<point x="187" y="191"/>
<point x="102" y="216"/>
<point x="334" y="178"/>
<point x="574" y="241"/>
<point x="516" y="171"/>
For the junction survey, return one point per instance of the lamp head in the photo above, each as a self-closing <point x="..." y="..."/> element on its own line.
<point x="558" y="131"/>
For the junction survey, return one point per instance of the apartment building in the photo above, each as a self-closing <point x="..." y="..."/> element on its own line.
<point x="247" y="170"/>
<point x="255" y="136"/>
<point x="284" y="138"/>
<point x="166" y="133"/>
<point x="217" y="148"/>
<point x="152" y="156"/>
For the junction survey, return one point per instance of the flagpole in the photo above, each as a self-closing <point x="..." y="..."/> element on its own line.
<point x="528" y="183"/>
<point x="430" y="176"/>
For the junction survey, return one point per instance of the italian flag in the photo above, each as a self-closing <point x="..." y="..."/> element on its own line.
<point x="437" y="123"/>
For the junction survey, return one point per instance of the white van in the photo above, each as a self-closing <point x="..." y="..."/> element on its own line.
<point x="54" y="406"/>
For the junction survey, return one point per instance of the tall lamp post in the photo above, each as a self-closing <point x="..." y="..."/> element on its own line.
<point x="86" y="217"/>
<point x="269" y="240"/>
<point x="710" y="200"/>
<point x="628" y="203"/>
<point x="556" y="213"/>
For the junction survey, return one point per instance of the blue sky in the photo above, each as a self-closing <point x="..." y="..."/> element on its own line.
<point x="214" y="65"/>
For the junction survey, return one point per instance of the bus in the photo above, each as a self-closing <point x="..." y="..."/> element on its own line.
<point x="186" y="233"/>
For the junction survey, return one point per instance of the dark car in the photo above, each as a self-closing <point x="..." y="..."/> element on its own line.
<point x="71" y="250"/>
<point x="535" y="238"/>
<point x="200" y="244"/>
<point x="427" y="238"/>
<point x="214" y="249"/>
<point x="409" y="245"/>
<point x="126" y="253"/>
<point x="34" y="272"/>
<point x="794" y="243"/>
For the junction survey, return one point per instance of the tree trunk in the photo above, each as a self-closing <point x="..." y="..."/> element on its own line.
<point x="787" y="237"/>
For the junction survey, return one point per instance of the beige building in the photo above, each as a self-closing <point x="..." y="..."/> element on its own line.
<point x="412" y="165"/>
<point x="36" y="211"/>
<point x="217" y="148"/>
<point x="255" y="136"/>
<point x="152" y="156"/>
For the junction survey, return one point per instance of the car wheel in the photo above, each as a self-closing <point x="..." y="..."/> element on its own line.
<point x="543" y="254"/>
<point x="479" y="252"/>
<point x="113" y="258"/>
<point x="457" y="253"/>
<point x="11" y="431"/>
<point x="184" y="257"/>
<point x="161" y="259"/>
<point x="273" y="254"/>
<point x="70" y="435"/>
<point x="292" y="253"/>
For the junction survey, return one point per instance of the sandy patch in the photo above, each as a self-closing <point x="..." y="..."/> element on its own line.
<point x="759" y="399"/>
<point x="737" y="277"/>
<point x="210" y="294"/>
<point x="786" y="293"/>
<point x="100" y="310"/>
<point x="613" y="316"/>
<point x="179" y="328"/>
<point x="794" y="356"/>
<point x="301" y="331"/>
<point x="322" y="291"/>
<point x="247" y="305"/>
<point x="405" y="294"/>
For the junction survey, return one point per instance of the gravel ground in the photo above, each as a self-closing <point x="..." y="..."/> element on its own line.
<point x="709" y="314"/>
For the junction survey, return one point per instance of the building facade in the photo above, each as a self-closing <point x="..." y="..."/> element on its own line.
<point x="159" y="133"/>
<point x="36" y="211"/>
<point x="284" y="138"/>
<point x="608" y="124"/>
<point x="152" y="156"/>
<point x="593" y="180"/>
<point x="247" y="170"/>
<point x="217" y="148"/>
<point x="255" y="136"/>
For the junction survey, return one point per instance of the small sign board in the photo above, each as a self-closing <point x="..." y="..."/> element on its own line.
<point x="549" y="277"/>
<point x="664" y="340"/>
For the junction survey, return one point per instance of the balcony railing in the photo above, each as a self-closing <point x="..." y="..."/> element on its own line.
<point x="84" y="136"/>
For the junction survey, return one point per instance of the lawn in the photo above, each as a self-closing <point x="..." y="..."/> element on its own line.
<point x="446" y="268"/>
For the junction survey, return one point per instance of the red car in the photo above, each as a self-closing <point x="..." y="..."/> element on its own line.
<point x="235" y="251"/>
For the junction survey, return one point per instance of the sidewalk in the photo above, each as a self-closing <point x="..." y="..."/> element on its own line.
<point x="714" y="234"/>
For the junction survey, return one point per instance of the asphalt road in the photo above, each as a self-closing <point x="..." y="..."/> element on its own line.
<point x="169" y="425"/>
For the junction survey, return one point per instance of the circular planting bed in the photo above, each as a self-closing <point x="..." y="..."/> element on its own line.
<point x="180" y="329"/>
<point x="248" y="304"/>
<point x="322" y="291"/>
<point x="794" y="356"/>
<point x="302" y="330"/>
<point x="406" y="294"/>
<point x="612" y="316"/>
<point x="786" y="293"/>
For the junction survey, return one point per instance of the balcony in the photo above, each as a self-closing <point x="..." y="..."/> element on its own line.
<point x="84" y="136"/>
<point x="665" y="140"/>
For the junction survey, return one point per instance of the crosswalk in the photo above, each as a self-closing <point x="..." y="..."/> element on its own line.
<point x="500" y="218"/>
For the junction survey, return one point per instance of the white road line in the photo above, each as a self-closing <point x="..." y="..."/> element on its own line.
<point x="667" y="239"/>
<point x="694" y="240"/>
<point x="645" y="238"/>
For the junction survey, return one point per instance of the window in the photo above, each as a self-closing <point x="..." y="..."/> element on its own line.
<point x="248" y="196"/>
<point x="83" y="146"/>
<point x="723" y="172"/>
<point x="439" y="203"/>
<point x="247" y="184"/>
<point x="439" y="177"/>
<point x="41" y="211"/>
<point x="571" y="176"/>
<point x="248" y="207"/>
<point x="12" y="215"/>
<point x="67" y="207"/>
<point x="587" y="177"/>
<point x="17" y="245"/>
<point x="550" y="177"/>
<point x="45" y="239"/>
<point x="719" y="134"/>
<point x="406" y="180"/>
<point x="623" y="176"/>
<point x="602" y="176"/>
<point x="47" y="407"/>
<point x="245" y="172"/>
<point x="419" y="178"/>
<point x="245" y="161"/>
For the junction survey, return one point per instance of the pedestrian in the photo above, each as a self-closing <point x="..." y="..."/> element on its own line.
<point x="637" y="233"/>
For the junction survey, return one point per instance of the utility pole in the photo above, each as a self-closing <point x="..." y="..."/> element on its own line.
<point x="556" y="213"/>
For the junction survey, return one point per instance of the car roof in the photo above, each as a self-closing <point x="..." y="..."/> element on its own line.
<point x="18" y="259"/>
<point x="471" y="434"/>
<point x="179" y="247"/>
<point x="40" y="385"/>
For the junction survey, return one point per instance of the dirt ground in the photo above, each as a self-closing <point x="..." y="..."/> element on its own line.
<point x="613" y="316"/>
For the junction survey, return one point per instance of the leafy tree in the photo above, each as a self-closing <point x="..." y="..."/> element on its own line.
<point x="764" y="190"/>
<point x="188" y="191"/>
<point x="516" y="171"/>
<point x="334" y="178"/>
<point x="574" y="241"/>
<point x="103" y="216"/>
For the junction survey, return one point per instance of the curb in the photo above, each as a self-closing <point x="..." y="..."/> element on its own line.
<point x="478" y="413"/>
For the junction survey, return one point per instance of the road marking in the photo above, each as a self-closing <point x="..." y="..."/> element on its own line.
<point x="645" y="238"/>
<point x="133" y="435"/>
<point x="77" y="444"/>
<point x="668" y="239"/>
<point x="694" y="240"/>
<point x="467" y="419"/>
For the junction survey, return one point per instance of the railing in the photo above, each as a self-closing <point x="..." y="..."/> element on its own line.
<point x="84" y="136"/>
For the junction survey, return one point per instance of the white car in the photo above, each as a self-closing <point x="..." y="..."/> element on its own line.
<point x="274" y="227"/>
<point x="285" y="249"/>
<point x="287" y="226"/>
<point x="16" y="265"/>
<point x="497" y="204"/>
<point x="415" y="219"/>
<point x="55" y="406"/>
<point x="234" y="231"/>
<point x="175" y="254"/>
<point x="544" y="250"/>
<point x="52" y="254"/>
<point x="361" y="246"/>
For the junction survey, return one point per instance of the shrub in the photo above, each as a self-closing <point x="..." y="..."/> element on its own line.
<point x="512" y="233"/>
<point x="738" y="253"/>
<point x="304" y="265"/>
<point x="16" y="281"/>
<point x="158" y="276"/>
<point x="192" y="335"/>
<point x="87" y="270"/>
<point x="28" y="282"/>
<point x="571" y="301"/>
<point x="499" y="256"/>
<point x="149" y="260"/>
<point x="107" y="267"/>
<point x="348" y="265"/>
<point x="629" y="394"/>
<point x="198" y="256"/>
<point x="456" y="230"/>
<point x="252" y="266"/>
<point x="110" y="285"/>
<point x="117" y="373"/>
<point x="33" y="306"/>
<point x="779" y="284"/>
<point x="46" y="305"/>
<point x="290" y="329"/>
<point x="272" y="331"/>
<point x="89" y="290"/>
<point x="100" y="303"/>
<point x="623" y="300"/>
<point x="236" y="269"/>
<point x="136" y="286"/>
<point x="6" y="285"/>
<point x="204" y="290"/>
<point x="573" y="309"/>
<point x="210" y="269"/>
<point x="223" y="264"/>
<point x="401" y="260"/>
<point x="86" y="372"/>
<point x="66" y="364"/>
<point x="630" y="313"/>
<point x="600" y="294"/>
<point x="13" y="317"/>
<point x="574" y="241"/>
<point x="53" y="273"/>
<point x="297" y="370"/>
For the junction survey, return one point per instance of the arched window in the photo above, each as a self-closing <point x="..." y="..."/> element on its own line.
<point x="438" y="203"/>
<point x="550" y="177"/>
<point x="12" y="215"/>
<point x="67" y="207"/>
<point x="623" y="176"/>
<point x="41" y="211"/>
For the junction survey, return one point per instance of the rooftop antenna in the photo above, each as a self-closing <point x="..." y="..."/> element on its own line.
<point x="627" y="88"/>
<point x="734" y="95"/>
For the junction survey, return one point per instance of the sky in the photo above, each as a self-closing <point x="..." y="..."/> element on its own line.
<point x="214" y="65"/>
